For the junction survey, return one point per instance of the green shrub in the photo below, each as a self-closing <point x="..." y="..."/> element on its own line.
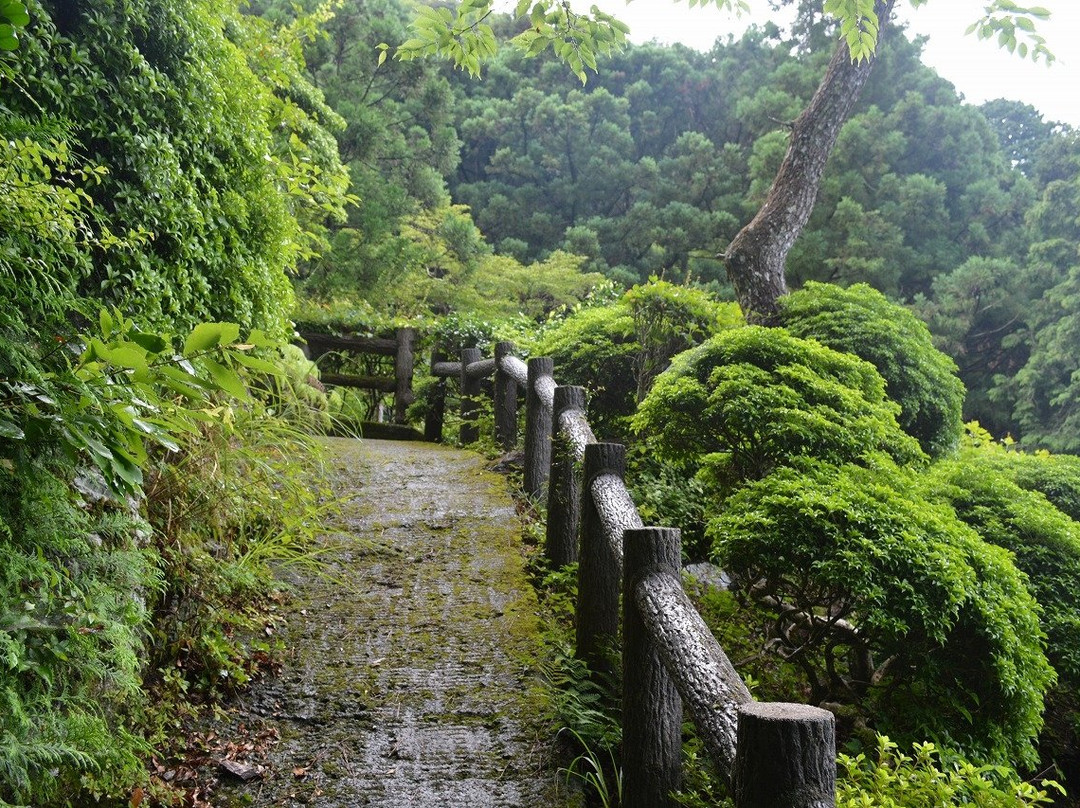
<point x="76" y="588"/>
<point x="196" y="166"/>
<point x="616" y="351"/>
<point x="888" y="602"/>
<point x="595" y="348"/>
<point x="1044" y="541"/>
<point x="752" y="399"/>
<point x="1056" y="477"/>
<point x="888" y="778"/>
<point x="862" y="321"/>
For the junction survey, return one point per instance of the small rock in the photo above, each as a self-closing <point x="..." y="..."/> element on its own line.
<point x="708" y="575"/>
<point x="243" y="771"/>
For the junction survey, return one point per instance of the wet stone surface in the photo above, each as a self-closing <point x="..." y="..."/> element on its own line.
<point x="409" y="678"/>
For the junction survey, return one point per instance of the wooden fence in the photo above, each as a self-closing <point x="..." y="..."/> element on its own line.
<point x="774" y="755"/>
<point x="401" y="347"/>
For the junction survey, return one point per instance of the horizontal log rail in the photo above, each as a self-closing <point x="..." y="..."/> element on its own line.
<point x="401" y="347"/>
<point x="384" y="384"/>
<point x="629" y="576"/>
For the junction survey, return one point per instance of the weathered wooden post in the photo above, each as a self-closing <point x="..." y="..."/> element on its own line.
<point x="470" y="397"/>
<point x="436" y="411"/>
<point x="405" y="338"/>
<point x="651" y="708"/>
<point x="538" y="424"/>
<point x="785" y="757"/>
<point x="564" y="486"/>
<point x="506" y="400"/>
<point x="599" y="568"/>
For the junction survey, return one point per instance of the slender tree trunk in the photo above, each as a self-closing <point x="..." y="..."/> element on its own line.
<point x="756" y="256"/>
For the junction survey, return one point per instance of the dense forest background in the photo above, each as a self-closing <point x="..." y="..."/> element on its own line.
<point x="960" y="212"/>
<point x="183" y="184"/>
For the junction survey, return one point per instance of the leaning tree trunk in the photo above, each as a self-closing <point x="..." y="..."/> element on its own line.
<point x="756" y="256"/>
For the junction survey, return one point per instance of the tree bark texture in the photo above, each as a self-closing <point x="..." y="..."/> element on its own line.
<point x="786" y="757"/>
<point x="606" y="511"/>
<point x="403" y="374"/>
<point x="470" y="397"/>
<point x="517" y="369"/>
<point x="436" y="412"/>
<point x="539" y="400"/>
<point x="319" y="344"/>
<point x="445" y="369"/>
<point x="756" y="257"/>
<point x="652" y="711"/>
<point x="506" y="400"/>
<point x="384" y="384"/>
<point x="481" y="368"/>
<point x="710" y="687"/>
<point x="564" y="486"/>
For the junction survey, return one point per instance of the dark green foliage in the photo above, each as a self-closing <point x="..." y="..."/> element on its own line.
<point x="616" y="351"/>
<point x="1045" y="393"/>
<point x="667" y="495"/>
<point x="75" y="589"/>
<point x="918" y="377"/>
<point x="890" y="602"/>
<point x="594" y="347"/>
<point x="1056" y="477"/>
<point x="161" y="103"/>
<point x="1045" y="541"/>
<point x="753" y="398"/>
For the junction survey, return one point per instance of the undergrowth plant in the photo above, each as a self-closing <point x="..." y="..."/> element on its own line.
<point x="928" y="778"/>
<point x="145" y="493"/>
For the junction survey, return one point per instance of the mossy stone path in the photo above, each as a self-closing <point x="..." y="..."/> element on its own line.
<point x="409" y="678"/>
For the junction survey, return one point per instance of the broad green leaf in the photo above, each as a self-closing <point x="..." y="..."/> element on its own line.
<point x="203" y="337"/>
<point x="153" y="343"/>
<point x="185" y="384"/>
<point x="126" y="356"/>
<point x="230" y="333"/>
<point x="225" y="378"/>
<point x="255" y="363"/>
<point x="17" y="14"/>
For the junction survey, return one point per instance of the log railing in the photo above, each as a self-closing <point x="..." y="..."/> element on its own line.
<point x="401" y="347"/>
<point x="773" y="755"/>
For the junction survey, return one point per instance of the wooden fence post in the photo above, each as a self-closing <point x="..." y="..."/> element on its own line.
<point x="436" y="411"/>
<point x="564" y="487"/>
<point x="537" y="427"/>
<point x="651" y="707"/>
<point x="506" y="400"/>
<point x="599" y="570"/>
<point x="785" y="757"/>
<point x="403" y="373"/>
<point x="470" y="398"/>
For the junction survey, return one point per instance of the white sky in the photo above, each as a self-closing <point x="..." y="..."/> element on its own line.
<point x="979" y="70"/>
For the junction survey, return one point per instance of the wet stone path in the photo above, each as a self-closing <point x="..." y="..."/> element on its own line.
<point x="409" y="676"/>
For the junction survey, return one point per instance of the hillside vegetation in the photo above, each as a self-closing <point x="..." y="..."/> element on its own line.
<point x="885" y="471"/>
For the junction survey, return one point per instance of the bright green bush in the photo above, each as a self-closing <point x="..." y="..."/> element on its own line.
<point x="1056" y="477"/>
<point x="752" y="399"/>
<point x="616" y="351"/>
<point x="595" y="348"/>
<point x="889" y="778"/>
<point x="194" y="161"/>
<point x="862" y="321"/>
<point x="1044" y="541"/>
<point x="889" y="602"/>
